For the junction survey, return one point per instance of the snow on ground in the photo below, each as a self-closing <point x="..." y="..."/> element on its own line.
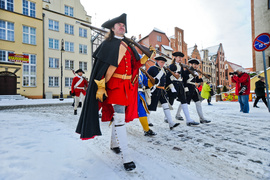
<point x="41" y="143"/>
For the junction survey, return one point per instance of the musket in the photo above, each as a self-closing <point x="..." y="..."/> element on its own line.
<point x="206" y="75"/>
<point x="144" y="49"/>
<point x="152" y="80"/>
<point x="173" y="73"/>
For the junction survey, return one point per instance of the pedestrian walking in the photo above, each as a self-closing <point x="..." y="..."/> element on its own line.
<point x="260" y="91"/>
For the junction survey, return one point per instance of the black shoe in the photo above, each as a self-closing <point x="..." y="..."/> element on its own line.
<point x="150" y="124"/>
<point x="166" y="121"/>
<point x="150" y="133"/>
<point x="179" y="118"/>
<point x="75" y="112"/>
<point x="129" y="166"/>
<point x="175" y="125"/>
<point x="256" y="106"/>
<point x="116" y="150"/>
<point x="192" y="123"/>
<point x="204" y="121"/>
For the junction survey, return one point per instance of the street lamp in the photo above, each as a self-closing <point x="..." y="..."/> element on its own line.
<point x="62" y="50"/>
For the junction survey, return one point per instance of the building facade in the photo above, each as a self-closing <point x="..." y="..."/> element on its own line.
<point x="21" y="37"/>
<point x="178" y="43"/>
<point x="260" y="18"/>
<point x="66" y="43"/>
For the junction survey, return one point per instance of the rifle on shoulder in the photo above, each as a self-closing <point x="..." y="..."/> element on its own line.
<point x="177" y="76"/>
<point x="152" y="80"/>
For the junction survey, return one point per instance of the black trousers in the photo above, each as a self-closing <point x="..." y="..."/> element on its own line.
<point x="180" y="94"/>
<point x="258" y="98"/>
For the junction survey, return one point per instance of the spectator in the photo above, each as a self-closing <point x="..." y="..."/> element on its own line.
<point x="242" y="88"/>
<point x="259" y="91"/>
<point x="206" y="92"/>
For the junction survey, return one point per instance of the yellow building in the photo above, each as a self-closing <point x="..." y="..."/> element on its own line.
<point x="66" y="41"/>
<point x="21" y="34"/>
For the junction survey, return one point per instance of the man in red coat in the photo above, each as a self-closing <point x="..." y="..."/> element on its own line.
<point x="242" y="89"/>
<point x="114" y="82"/>
<point x="79" y="83"/>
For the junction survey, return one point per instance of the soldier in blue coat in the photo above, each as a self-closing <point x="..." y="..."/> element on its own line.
<point x="192" y="92"/>
<point x="143" y="104"/>
<point x="158" y="90"/>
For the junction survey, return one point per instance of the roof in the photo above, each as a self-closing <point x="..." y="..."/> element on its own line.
<point x="158" y="30"/>
<point x="190" y="50"/>
<point x="168" y="48"/>
<point x="234" y="66"/>
<point x="212" y="50"/>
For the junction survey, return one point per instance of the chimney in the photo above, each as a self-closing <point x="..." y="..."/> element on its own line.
<point x="140" y="36"/>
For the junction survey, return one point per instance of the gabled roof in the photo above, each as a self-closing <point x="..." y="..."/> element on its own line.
<point x="190" y="50"/>
<point x="234" y="66"/>
<point x="168" y="48"/>
<point x="212" y="50"/>
<point x="158" y="30"/>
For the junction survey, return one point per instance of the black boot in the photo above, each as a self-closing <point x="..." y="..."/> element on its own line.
<point x="129" y="166"/>
<point x="150" y="133"/>
<point x="175" y="125"/>
<point x="75" y="112"/>
<point x="116" y="150"/>
<point x="204" y="121"/>
<point x="192" y="123"/>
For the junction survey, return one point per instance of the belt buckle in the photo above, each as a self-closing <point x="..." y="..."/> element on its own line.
<point x="124" y="76"/>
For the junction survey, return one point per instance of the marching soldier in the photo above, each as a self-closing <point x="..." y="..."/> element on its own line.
<point x="191" y="90"/>
<point x="143" y="104"/>
<point x="175" y="82"/>
<point x="114" y="83"/>
<point x="158" y="90"/>
<point x="79" y="83"/>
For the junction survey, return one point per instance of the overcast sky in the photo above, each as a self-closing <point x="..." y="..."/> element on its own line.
<point x="205" y="22"/>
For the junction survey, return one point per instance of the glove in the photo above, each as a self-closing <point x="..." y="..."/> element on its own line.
<point x="196" y="73"/>
<point x="144" y="59"/>
<point x="101" y="94"/>
<point x="172" y="88"/>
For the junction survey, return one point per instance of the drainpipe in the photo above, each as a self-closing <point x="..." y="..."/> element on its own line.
<point x="43" y="74"/>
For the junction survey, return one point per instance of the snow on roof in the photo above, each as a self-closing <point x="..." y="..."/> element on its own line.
<point x="212" y="50"/>
<point x="172" y="37"/>
<point x="158" y="30"/>
<point x="234" y="66"/>
<point x="167" y="47"/>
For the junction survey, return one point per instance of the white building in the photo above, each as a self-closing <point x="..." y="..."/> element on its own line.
<point x="62" y="31"/>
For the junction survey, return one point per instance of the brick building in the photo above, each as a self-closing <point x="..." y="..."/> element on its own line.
<point x="230" y="67"/>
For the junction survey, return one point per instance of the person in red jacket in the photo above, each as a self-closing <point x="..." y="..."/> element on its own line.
<point x="79" y="83"/>
<point x="242" y="89"/>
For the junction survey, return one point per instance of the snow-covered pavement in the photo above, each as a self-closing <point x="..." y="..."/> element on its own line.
<point x="40" y="143"/>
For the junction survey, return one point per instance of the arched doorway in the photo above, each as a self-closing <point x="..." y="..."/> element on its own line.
<point x="8" y="83"/>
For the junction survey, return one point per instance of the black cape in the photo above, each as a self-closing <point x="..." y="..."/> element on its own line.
<point x="105" y="55"/>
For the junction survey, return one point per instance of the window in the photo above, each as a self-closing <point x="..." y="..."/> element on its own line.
<point x="68" y="81"/>
<point x="29" y="35"/>
<point x="6" y="30"/>
<point x="268" y="4"/>
<point x="53" y="81"/>
<point x="159" y="38"/>
<point x="69" y="46"/>
<point x="53" y="25"/>
<point x="69" y="29"/>
<point x="7" y="5"/>
<point x="69" y="11"/>
<point x="83" y="49"/>
<point x="53" y="43"/>
<point x="83" y="65"/>
<point x="29" y="71"/>
<point x="69" y="64"/>
<point x="53" y="62"/>
<point x="29" y="8"/>
<point x="4" y="55"/>
<point x="82" y="32"/>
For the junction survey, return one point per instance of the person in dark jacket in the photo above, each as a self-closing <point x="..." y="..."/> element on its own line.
<point x="259" y="91"/>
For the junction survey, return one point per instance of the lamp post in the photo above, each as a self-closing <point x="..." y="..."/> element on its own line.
<point x="61" y="91"/>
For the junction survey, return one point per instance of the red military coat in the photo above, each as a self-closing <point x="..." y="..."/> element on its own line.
<point x="123" y="91"/>
<point x="80" y="88"/>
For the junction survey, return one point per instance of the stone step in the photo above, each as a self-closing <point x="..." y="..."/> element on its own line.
<point x="16" y="97"/>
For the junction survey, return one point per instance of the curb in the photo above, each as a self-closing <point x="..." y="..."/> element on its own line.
<point x="33" y="105"/>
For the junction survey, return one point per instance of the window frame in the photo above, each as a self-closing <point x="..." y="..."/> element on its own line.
<point x="55" y="63"/>
<point x="7" y="31"/>
<point x="29" y="76"/>
<point x="70" y="79"/>
<point x="69" y="64"/>
<point x="30" y="35"/>
<point x="27" y="10"/>
<point x="69" y="29"/>
<point x="83" y="49"/>
<point x="7" y="5"/>
<point x="68" y="47"/>
<point x="83" y="65"/>
<point x="55" y="25"/>
<point x="82" y="32"/>
<point x="70" y="11"/>
<point x="53" y="81"/>
<point x="54" y="44"/>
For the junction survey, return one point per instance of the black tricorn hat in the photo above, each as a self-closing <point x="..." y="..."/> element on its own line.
<point x="160" y="58"/>
<point x="178" y="54"/>
<point x="79" y="70"/>
<point x="194" y="61"/>
<point x="120" y="19"/>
